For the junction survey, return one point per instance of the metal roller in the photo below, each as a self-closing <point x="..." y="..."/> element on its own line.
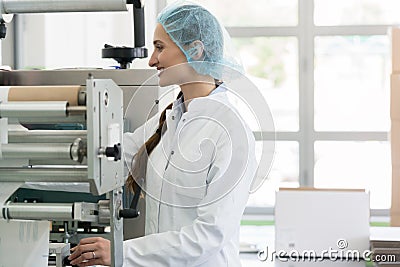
<point x="46" y="6"/>
<point x="38" y="211"/>
<point x="67" y="175"/>
<point x="75" y="151"/>
<point x="46" y="136"/>
<point x="35" y="151"/>
<point x="77" y="110"/>
<point x="41" y="109"/>
<point x="78" y="211"/>
<point x="80" y="119"/>
<point x="57" y="162"/>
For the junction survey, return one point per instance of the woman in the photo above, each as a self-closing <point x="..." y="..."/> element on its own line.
<point x="195" y="162"/>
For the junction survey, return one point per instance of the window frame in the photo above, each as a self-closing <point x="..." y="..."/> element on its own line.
<point x="305" y="32"/>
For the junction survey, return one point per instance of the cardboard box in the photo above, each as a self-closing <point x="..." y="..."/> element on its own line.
<point x="315" y="219"/>
<point x="395" y="128"/>
<point x="395" y="36"/>
<point x="395" y="143"/>
<point x="394" y="219"/>
<point x="395" y="208"/>
<point x="395" y="96"/>
<point x="396" y="190"/>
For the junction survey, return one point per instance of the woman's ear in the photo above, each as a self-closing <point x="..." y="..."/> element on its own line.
<point x="196" y="50"/>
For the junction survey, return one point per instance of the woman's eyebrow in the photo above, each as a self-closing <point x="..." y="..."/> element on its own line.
<point x="157" y="42"/>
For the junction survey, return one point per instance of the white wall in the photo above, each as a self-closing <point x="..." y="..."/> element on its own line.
<point x="33" y="43"/>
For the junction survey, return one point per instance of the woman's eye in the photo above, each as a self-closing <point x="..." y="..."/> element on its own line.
<point x="159" y="48"/>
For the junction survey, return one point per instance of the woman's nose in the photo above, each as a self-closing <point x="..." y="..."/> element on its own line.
<point x="153" y="60"/>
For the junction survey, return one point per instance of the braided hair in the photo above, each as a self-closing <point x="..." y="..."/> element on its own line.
<point x="137" y="176"/>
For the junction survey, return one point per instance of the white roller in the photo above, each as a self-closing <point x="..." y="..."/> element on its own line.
<point x="46" y="6"/>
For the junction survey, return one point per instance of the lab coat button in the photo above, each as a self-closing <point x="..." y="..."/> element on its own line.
<point x="172" y="152"/>
<point x="173" y="117"/>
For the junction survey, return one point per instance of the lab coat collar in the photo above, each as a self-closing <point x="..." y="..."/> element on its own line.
<point x="176" y="117"/>
<point x="179" y="108"/>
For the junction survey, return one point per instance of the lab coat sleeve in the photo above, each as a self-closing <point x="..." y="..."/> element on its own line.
<point x="132" y="141"/>
<point x="217" y="220"/>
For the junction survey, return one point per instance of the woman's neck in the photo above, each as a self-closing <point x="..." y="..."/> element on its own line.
<point x="197" y="89"/>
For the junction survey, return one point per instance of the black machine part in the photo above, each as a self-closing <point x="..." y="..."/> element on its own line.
<point x="67" y="262"/>
<point x="136" y="3"/>
<point x="133" y="210"/>
<point x="114" y="152"/>
<point x="3" y="30"/>
<point x="125" y="55"/>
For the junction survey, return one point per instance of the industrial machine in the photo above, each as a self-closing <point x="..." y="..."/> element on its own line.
<point x="100" y="144"/>
<point x="61" y="133"/>
<point x="84" y="161"/>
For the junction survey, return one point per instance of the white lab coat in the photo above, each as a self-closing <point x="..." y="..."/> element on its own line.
<point x="197" y="185"/>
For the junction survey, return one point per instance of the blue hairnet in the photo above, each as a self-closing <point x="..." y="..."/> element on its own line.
<point x="190" y="25"/>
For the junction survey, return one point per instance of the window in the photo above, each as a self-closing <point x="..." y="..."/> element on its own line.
<point x="257" y="14"/>
<point x="356" y="12"/>
<point x="366" y="164"/>
<point x="351" y="78"/>
<point x="323" y="68"/>
<point x="284" y="172"/>
<point x="272" y="65"/>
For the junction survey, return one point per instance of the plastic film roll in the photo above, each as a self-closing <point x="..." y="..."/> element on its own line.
<point x="46" y="93"/>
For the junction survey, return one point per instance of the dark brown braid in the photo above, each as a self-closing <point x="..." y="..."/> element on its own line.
<point x="137" y="176"/>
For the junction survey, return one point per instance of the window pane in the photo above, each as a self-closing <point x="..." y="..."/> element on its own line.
<point x="284" y="173"/>
<point x="272" y="65"/>
<point x="352" y="83"/>
<point x="355" y="165"/>
<point x="254" y="13"/>
<point x="355" y="12"/>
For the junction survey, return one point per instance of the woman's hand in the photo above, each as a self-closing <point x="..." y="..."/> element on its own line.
<point x="91" y="251"/>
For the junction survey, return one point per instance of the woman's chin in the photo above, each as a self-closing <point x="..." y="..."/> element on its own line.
<point x="164" y="79"/>
<point x="163" y="82"/>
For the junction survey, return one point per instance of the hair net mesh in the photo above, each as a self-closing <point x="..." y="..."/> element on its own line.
<point x="187" y="23"/>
